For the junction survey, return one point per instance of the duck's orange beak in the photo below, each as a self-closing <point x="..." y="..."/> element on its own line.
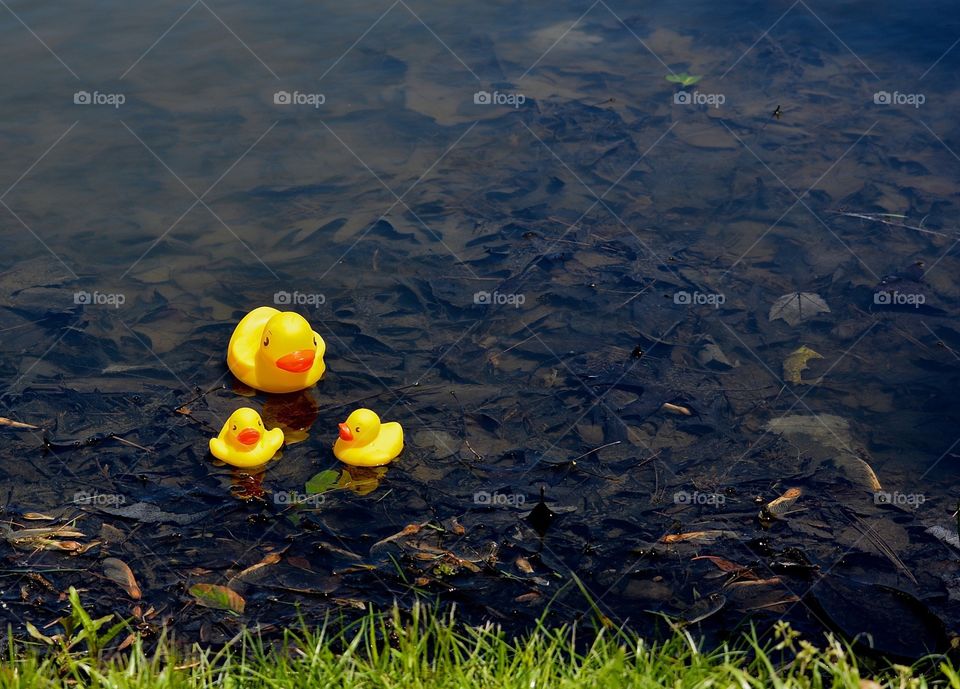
<point x="345" y="433"/>
<point x="249" y="436"/>
<point x="297" y="362"/>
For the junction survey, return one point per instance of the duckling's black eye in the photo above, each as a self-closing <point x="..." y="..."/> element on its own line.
<point x="314" y="342"/>
<point x="266" y="342"/>
<point x="358" y="429"/>
<point x="234" y="428"/>
<point x="259" y="423"/>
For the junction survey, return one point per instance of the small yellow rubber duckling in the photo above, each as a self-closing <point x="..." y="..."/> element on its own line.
<point x="243" y="441"/>
<point x="365" y="442"/>
<point x="276" y="351"/>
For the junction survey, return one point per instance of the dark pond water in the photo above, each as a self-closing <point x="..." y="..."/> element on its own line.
<point x="521" y="241"/>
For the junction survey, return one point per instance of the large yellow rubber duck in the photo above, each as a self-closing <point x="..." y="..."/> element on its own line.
<point x="244" y="442"/>
<point x="276" y="351"/>
<point x="365" y="442"/>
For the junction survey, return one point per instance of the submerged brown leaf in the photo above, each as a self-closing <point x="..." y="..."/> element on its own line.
<point x="269" y="559"/>
<point x="781" y="506"/>
<point x="119" y="572"/>
<point x="706" y="536"/>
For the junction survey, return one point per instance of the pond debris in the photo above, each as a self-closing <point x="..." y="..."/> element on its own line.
<point x="704" y="608"/>
<point x="37" y="516"/>
<point x="47" y="538"/>
<point x="705" y="536"/>
<point x="245" y="575"/>
<point x="10" y="423"/>
<point x="218" y="597"/>
<point x="119" y="572"/>
<point x="541" y="516"/>
<point x="870" y="533"/>
<point x="944" y="535"/>
<point x="796" y="363"/>
<point x="151" y="514"/>
<point x="727" y="566"/>
<point x="780" y="506"/>
<point x="523" y="564"/>
<point x="797" y="307"/>
<point x="676" y="409"/>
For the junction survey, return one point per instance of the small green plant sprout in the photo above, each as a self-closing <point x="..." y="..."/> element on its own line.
<point x="684" y="79"/>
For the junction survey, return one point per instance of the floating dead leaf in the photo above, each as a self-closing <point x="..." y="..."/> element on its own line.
<point x="797" y="307"/>
<point x="38" y="517"/>
<point x="119" y="572"/>
<point x="523" y="564"/>
<point x="779" y="507"/>
<point x="218" y="597"/>
<point x="10" y="423"/>
<point x="707" y="536"/>
<point x="456" y="527"/>
<point x="796" y="363"/>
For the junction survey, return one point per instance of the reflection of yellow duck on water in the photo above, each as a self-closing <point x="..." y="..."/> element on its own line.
<point x="276" y="351"/>
<point x="244" y="442"/>
<point x="365" y="442"/>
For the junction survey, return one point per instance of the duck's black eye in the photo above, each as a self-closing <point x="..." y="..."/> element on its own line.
<point x="259" y="423"/>
<point x="314" y="342"/>
<point x="266" y="342"/>
<point x="358" y="429"/>
<point x="234" y="428"/>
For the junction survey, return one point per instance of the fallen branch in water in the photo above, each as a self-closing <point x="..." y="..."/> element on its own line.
<point x="885" y="219"/>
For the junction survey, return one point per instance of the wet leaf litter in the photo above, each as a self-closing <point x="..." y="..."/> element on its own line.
<point x="526" y="477"/>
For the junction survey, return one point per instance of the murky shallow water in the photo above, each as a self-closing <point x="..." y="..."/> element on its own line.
<point x="520" y="286"/>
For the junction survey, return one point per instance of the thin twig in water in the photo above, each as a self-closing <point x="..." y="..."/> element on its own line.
<point x="884" y="219"/>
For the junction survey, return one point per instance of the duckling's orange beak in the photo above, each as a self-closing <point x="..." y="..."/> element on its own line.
<point x="345" y="433"/>
<point x="297" y="362"/>
<point x="249" y="436"/>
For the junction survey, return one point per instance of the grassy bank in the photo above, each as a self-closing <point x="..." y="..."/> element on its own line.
<point x="424" y="650"/>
